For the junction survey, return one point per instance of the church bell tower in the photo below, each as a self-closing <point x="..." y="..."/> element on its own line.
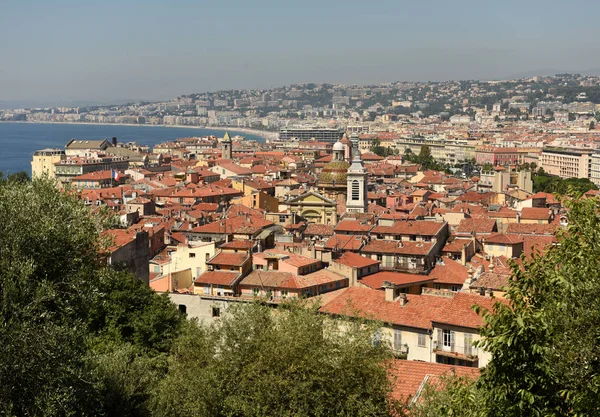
<point x="356" y="195"/>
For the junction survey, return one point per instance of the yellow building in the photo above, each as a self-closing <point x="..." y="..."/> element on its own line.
<point x="315" y="208"/>
<point x="497" y="245"/>
<point x="258" y="200"/>
<point x="43" y="162"/>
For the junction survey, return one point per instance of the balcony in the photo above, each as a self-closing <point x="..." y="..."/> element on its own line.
<point x="400" y="352"/>
<point x="465" y="352"/>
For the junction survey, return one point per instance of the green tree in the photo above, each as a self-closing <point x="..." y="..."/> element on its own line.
<point x="65" y="316"/>
<point x="592" y="125"/>
<point x="292" y="363"/>
<point x="20" y="176"/>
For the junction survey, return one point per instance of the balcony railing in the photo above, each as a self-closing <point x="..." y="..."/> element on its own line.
<point x="467" y="351"/>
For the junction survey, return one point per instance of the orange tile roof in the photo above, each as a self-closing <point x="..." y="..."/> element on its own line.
<point x="409" y="376"/>
<point x="503" y="239"/>
<point x="318" y="229"/>
<point x="228" y="259"/>
<point x="397" y="247"/>
<point x="450" y="272"/>
<point x="376" y="280"/>
<point x="531" y="229"/>
<point x="354" y="260"/>
<point x="352" y="226"/>
<point x="532" y="213"/>
<point x="418" y="227"/>
<point x="238" y="244"/>
<point x="217" y="278"/>
<point x="344" y="242"/>
<point x="419" y="312"/>
<point x="479" y="226"/>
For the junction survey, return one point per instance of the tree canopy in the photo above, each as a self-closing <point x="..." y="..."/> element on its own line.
<point x="552" y="184"/>
<point x="293" y="363"/>
<point x="80" y="338"/>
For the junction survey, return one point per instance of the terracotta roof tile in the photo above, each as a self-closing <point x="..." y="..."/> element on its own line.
<point x="217" y="278"/>
<point x="355" y="261"/>
<point x="409" y="376"/>
<point x="375" y="281"/>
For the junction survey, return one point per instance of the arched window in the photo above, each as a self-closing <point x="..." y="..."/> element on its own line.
<point x="355" y="190"/>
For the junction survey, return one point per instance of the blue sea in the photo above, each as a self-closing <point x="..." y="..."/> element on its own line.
<point x="18" y="141"/>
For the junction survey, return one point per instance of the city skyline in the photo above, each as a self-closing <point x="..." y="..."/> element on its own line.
<point x="69" y="51"/>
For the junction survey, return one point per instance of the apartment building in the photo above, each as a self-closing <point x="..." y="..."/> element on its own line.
<point x="567" y="163"/>
<point x="595" y="168"/>
<point x="43" y="162"/>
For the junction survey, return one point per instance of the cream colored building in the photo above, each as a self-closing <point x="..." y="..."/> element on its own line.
<point x="567" y="163"/>
<point x="595" y="168"/>
<point x="187" y="256"/>
<point x="43" y="162"/>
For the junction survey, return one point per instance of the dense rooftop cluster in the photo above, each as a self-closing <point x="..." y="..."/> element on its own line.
<point x="215" y="221"/>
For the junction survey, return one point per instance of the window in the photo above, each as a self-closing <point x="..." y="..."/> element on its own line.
<point x="324" y="288"/>
<point x="207" y="257"/>
<point x="468" y="344"/>
<point x="216" y="312"/>
<point x="182" y="308"/>
<point x="454" y="288"/>
<point x="447" y="339"/>
<point x="355" y="190"/>
<point x="198" y="271"/>
<point x="413" y="238"/>
<point x="379" y="257"/>
<point x="397" y="340"/>
<point x="282" y="219"/>
<point x="338" y="284"/>
<point x="192" y="255"/>
<point x="422" y="342"/>
<point x="284" y="293"/>
<point x="207" y="289"/>
<point x="437" y="286"/>
<point x="255" y="292"/>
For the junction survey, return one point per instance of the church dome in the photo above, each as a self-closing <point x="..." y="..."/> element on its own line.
<point x="338" y="146"/>
<point x="335" y="172"/>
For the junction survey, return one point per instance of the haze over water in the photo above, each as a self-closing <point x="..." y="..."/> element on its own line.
<point x="18" y="141"/>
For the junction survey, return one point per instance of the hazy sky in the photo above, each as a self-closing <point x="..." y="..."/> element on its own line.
<point x="110" y="50"/>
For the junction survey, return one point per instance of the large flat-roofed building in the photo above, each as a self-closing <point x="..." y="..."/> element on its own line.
<point x="43" y="162"/>
<point x="595" y="168"/>
<point x="321" y="134"/>
<point x="567" y="163"/>
<point x="70" y="168"/>
<point x="76" y="147"/>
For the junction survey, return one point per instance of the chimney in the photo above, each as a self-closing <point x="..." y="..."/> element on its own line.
<point x="390" y="290"/>
<point x="463" y="255"/>
<point x="114" y="141"/>
<point x="402" y="299"/>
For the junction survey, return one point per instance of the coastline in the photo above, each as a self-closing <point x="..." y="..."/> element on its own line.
<point x="261" y="133"/>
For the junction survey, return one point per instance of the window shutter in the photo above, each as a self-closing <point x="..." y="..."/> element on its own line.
<point x="452" y="340"/>
<point x="397" y="339"/>
<point x="440" y="340"/>
<point x="468" y="344"/>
